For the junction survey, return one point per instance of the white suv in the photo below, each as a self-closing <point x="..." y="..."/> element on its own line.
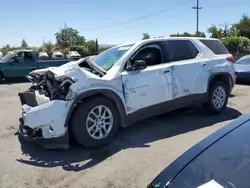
<point x="89" y="99"/>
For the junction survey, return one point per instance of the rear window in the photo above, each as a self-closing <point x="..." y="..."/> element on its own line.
<point x="215" y="46"/>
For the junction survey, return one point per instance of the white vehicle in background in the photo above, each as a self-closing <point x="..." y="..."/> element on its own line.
<point x="43" y="55"/>
<point x="1" y="54"/>
<point x="57" y="55"/>
<point x="74" y="55"/>
<point x="89" y="99"/>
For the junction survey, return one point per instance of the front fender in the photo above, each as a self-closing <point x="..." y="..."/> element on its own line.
<point x="108" y="93"/>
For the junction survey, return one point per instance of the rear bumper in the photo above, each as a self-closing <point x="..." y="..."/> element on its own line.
<point x="232" y="84"/>
<point x="243" y="76"/>
<point x="61" y="142"/>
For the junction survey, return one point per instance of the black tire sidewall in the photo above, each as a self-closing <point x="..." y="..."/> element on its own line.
<point x="211" y="94"/>
<point x="78" y="122"/>
<point x="1" y="77"/>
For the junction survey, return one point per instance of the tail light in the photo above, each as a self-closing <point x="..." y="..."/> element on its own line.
<point x="231" y="59"/>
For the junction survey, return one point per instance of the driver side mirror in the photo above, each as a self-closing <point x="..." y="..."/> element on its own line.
<point x="136" y="65"/>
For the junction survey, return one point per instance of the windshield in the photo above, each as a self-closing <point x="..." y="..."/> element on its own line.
<point x="73" y="53"/>
<point x="57" y="53"/>
<point x="109" y="57"/>
<point x="8" y="56"/>
<point x="43" y="53"/>
<point x="243" y="61"/>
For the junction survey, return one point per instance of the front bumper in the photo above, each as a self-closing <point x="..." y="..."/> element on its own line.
<point x="61" y="142"/>
<point x="44" y="124"/>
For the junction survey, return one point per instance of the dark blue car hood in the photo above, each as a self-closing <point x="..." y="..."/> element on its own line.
<point x="241" y="68"/>
<point x="224" y="156"/>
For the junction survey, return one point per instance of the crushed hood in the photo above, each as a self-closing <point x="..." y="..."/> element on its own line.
<point x="67" y="68"/>
<point x="70" y="69"/>
<point x="82" y="77"/>
<point x="55" y="70"/>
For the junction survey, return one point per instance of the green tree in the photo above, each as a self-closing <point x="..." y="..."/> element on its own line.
<point x="92" y="46"/>
<point x="24" y="44"/>
<point x="186" y="34"/>
<point x="5" y="49"/>
<point x="145" y="36"/>
<point x="215" y="32"/>
<point x="199" y="34"/>
<point x="48" y="47"/>
<point x="82" y="50"/>
<point x="236" y="44"/>
<point x="243" y="27"/>
<point x="68" y="36"/>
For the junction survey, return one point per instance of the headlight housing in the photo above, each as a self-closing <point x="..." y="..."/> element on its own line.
<point x="71" y="95"/>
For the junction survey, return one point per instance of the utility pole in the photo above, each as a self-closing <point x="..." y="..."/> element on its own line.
<point x="197" y="16"/>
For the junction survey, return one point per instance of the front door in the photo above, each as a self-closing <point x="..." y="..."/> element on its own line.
<point x="23" y="66"/>
<point x="147" y="87"/>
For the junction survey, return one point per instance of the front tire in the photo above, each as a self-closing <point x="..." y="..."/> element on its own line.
<point x="95" y="122"/>
<point x="1" y="78"/>
<point x="217" y="98"/>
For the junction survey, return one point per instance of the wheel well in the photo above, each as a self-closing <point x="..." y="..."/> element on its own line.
<point x="117" y="104"/>
<point x="225" y="78"/>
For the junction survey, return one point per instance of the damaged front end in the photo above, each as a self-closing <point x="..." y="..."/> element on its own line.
<point x="45" y="105"/>
<point x="45" y="108"/>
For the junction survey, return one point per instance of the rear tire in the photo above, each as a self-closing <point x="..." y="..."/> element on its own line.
<point x="217" y="98"/>
<point x="90" y="122"/>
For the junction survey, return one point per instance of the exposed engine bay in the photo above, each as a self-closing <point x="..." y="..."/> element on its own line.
<point x="47" y="84"/>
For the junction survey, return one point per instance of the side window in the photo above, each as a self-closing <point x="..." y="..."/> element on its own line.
<point x="24" y="56"/>
<point x="20" y="56"/>
<point x="27" y="56"/>
<point x="180" y="50"/>
<point x="151" y="54"/>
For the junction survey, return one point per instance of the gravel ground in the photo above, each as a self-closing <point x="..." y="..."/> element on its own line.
<point x="139" y="153"/>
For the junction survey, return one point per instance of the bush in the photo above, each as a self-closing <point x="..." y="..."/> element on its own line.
<point x="236" y="44"/>
<point x="83" y="50"/>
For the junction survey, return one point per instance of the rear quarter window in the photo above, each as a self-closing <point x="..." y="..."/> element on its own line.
<point x="215" y="46"/>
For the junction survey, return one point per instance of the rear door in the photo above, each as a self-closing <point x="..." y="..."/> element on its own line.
<point x="190" y="72"/>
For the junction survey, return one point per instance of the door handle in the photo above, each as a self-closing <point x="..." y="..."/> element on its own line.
<point x="164" y="71"/>
<point x="203" y="64"/>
